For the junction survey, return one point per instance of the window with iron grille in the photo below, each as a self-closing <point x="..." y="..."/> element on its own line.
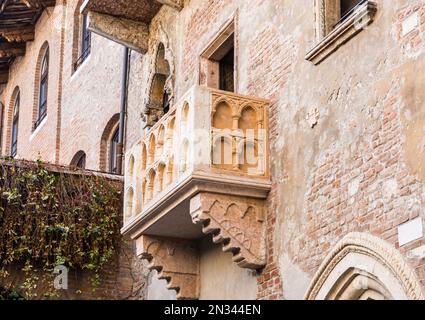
<point x="85" y="42"/>
<point x="44" y="83"/>
<point x="15" y="123"/>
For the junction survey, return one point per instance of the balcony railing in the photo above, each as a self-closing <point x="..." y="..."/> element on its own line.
<point x="210" y="133"/>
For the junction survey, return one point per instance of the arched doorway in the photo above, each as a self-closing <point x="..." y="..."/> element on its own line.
<point x="364" y="267"/>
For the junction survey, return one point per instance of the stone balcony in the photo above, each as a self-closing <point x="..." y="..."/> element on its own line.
<point x="203" y="169"/>
<point x="126" y="22"/>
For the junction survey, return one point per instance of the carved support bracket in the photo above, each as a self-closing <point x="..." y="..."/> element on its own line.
<point x="130" y="33"/>
<point x="175" y="260"/>
<point x="235" y="222"/>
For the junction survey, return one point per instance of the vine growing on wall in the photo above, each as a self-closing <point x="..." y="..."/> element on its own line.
<point x="55" y="217"/>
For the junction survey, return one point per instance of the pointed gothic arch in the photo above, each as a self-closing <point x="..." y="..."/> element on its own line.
<point x="362" y="266"/>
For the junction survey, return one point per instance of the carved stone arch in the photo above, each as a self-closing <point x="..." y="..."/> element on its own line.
<point x="2" y="113"/>
<point x="152" y="143"/>
<point x="159" y="52"/>
<point x="79" y="160"/>
<point x="184" y="156"/>
<point x="144" y="157"/>
<point x="10" y="110"/>
<point x="368" y="257"/>
<point x="106" y="137"/>
<point x="222" y="150"/>
<point x="256" y="108"/>
<point x="129" y="203"/>
<point x="131" y="166"/>
<point x="169" y="171"/>
<point x="222" y="116"/>
<point x="245" y="162"/>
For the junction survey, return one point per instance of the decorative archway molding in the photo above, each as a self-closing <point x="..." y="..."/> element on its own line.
<point x="371" y="247"/>
<point x="158" y="38"/>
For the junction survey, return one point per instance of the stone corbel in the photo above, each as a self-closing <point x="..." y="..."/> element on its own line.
<point x="175" y="260"/>
<point x="130" y="33"/>
<point x="235" y="222"/>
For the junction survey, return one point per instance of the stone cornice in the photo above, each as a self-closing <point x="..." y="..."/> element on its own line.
<point x="352" y="25"/>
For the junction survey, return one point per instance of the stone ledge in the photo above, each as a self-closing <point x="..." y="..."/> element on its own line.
<point x="355" y="23"/>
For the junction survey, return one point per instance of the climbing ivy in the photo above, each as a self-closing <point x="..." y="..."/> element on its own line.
<point x="55" y="217"/>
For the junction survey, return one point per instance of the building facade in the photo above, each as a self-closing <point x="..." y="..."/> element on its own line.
<point x="273" y="148"/>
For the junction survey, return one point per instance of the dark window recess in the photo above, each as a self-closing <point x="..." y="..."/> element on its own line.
<point x="113" y="153"/>
<point x="166" y="103"/>
<point x="81" y="162"/>
<point x="85" y="43"/>
<point x="14" y="147"/>
<point x="44" y="80"/>
<point x="227" y="71"/>
<point x="348" y="7"/>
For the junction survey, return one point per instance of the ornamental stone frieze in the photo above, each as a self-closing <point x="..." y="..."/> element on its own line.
<point x="202" y="170"/>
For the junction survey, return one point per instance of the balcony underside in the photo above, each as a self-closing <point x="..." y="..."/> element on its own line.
<point x="170" y="216"/>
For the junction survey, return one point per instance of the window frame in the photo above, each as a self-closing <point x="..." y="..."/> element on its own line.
<point x="79" y="160"/>
<point x="84" y="42"/>
<point x="43" y="88"/>
<point x="224" y="41"/>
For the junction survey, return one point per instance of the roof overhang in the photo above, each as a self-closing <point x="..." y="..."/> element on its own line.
<point x="17" y="26"/>
<point x="125" y="21"/>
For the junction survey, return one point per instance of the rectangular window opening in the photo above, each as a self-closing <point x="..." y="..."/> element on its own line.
<point x="218" y="61"/>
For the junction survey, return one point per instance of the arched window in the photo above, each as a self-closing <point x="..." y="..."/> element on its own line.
<point x="44" y="80"/>
<point x="85" y="46"/>
<point x="113" y="152"/>
<point x="79" y="160"/>
<point x="15" y="123"/>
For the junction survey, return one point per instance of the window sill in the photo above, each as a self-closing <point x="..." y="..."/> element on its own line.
<point x="39" y="127"/>
<point x="352" y="25"/>
<point x="77" y="70"/>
